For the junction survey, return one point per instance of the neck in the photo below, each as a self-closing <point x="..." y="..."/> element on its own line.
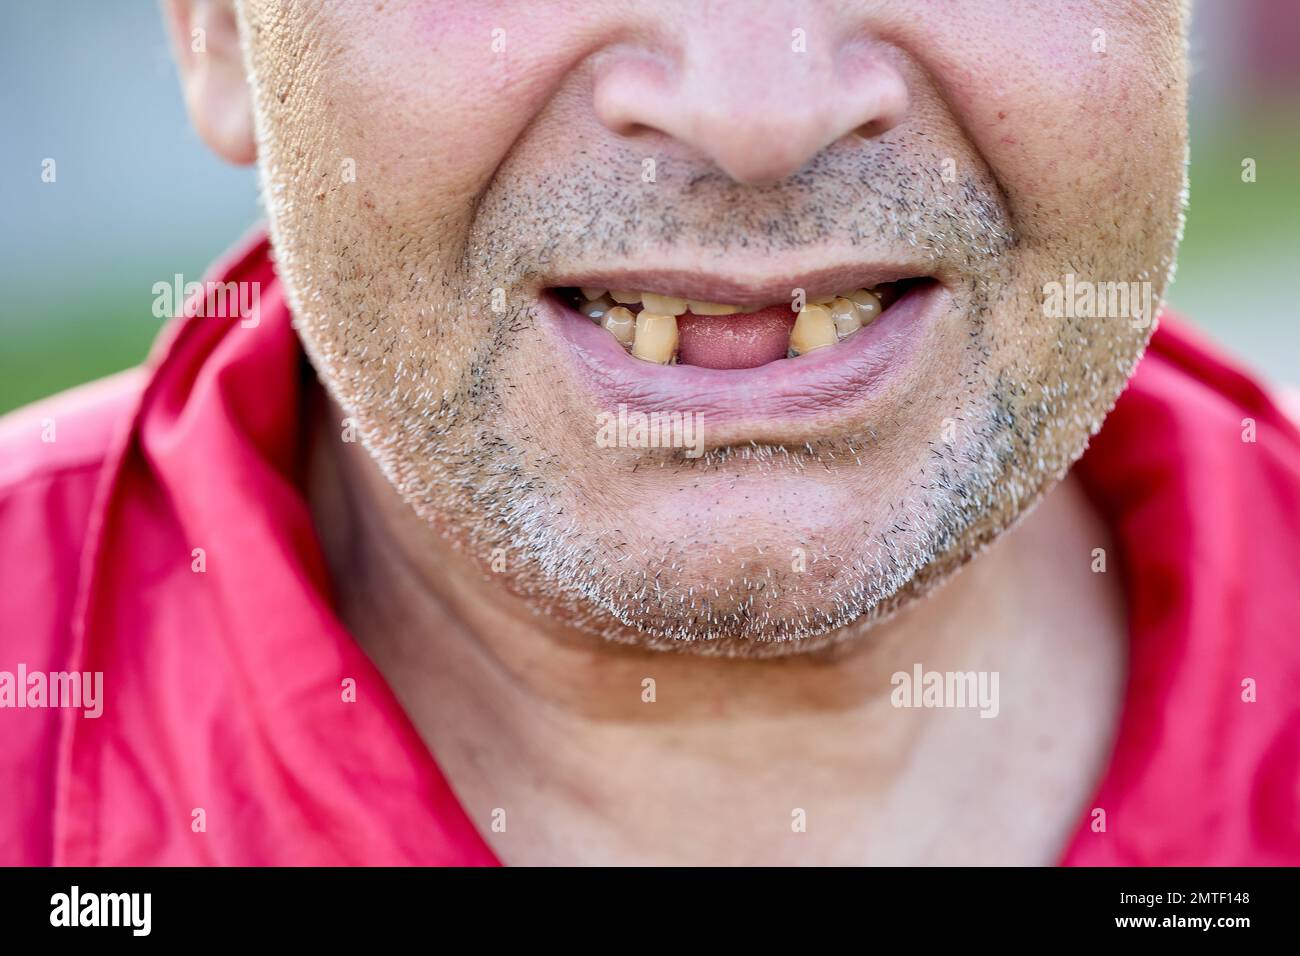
<point x="598" y="753"/>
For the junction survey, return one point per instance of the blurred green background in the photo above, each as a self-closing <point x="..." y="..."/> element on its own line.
<point x="137" y="197"/>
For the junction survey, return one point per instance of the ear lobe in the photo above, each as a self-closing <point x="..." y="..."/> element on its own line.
<point x="205" y="42"/>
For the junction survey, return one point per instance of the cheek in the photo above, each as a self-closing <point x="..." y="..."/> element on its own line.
<point x="430" y="97"/>
<point x="1075" y="106"/>
<point x="383" y="125"/>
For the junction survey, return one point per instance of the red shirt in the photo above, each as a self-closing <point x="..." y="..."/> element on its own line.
<point x="225" y="737"/>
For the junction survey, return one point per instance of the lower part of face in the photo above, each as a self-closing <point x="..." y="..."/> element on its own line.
<point x="424" y="190"/>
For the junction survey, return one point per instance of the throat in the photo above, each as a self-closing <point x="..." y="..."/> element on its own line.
<point x="707" y="764"/>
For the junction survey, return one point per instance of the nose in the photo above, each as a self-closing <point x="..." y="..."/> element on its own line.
<point x="759" y="96"/>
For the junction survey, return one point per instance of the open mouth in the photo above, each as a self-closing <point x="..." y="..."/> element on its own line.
<point x="667" y="330"/>
<point x="736" y="351"/>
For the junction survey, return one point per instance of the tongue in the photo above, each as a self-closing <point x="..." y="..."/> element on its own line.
<point x="734" y="341"/>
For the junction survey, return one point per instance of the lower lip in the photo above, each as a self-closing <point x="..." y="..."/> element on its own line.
<point x="838" y="377"/>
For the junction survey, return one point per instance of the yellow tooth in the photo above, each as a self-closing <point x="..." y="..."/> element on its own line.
<point x="825" y="300"/>
<point x="712" y="308"/>
<point x="591" y="294"/>
<point x="656" y="337"/>
<point x="663" y="304"/>
<point x="845" y="314"/>
<point x="627" y="298"/>
<point x="813" y="329"/>
<point x="868" y="305"/>
<point x="596" y="307"/>
<point x="620" y="323"/>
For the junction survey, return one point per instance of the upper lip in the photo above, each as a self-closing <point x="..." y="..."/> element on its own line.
<point x="749" y="288"/>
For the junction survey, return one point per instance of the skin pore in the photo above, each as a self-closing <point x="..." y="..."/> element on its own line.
<point x="517" y="584"/>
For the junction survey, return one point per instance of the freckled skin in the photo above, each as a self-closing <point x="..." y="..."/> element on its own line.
<point x="478" y="171"/>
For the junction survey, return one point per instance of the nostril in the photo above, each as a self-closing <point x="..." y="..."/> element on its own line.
<point x="870" y="129"/>
<point x="633" y="130"/>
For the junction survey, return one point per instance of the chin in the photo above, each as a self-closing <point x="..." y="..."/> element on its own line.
<point x="773" y="572"/>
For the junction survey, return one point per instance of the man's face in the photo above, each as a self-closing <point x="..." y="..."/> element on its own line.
<point x="441" y="177"/>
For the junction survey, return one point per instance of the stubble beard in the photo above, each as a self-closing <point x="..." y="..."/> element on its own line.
<point x="442" y="419"/>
